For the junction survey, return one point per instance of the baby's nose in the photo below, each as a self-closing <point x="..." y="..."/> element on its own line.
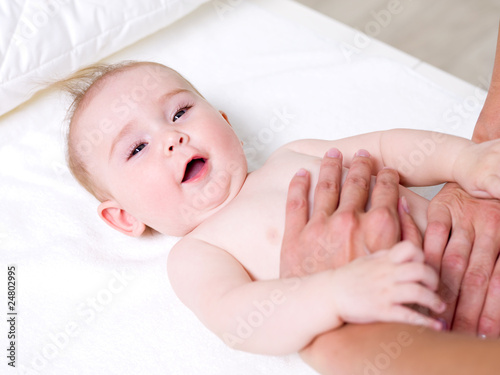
<point x="174" y="140"/>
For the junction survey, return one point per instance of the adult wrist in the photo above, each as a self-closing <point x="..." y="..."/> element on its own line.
<point x="488" y="124"/>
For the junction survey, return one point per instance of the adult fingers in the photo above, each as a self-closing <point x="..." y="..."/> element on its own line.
<point x="437" y="233"/>
<point x="386" y="190"/>
<point x="409" y="230"/>
<point x="453" y="268"/>
<point x="475" y="285"/>
<point x="357" y="183"/>
<point x="382" y="214"/>
<point x="489" y="322"/>
<point x="326" y="195"/>
<point x="297" y="210"/>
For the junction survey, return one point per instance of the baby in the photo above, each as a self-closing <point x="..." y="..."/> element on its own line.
<point x="159" y="157"/>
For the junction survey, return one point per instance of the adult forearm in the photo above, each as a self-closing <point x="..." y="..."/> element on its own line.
<point x="401" y="349"/>
<point x="488" y="124"/>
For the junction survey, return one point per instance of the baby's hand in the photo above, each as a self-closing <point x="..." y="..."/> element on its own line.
<point x="477" y="169"/>
<point x="375" y="287"/>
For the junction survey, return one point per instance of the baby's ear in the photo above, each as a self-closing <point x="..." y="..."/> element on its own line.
<point x="120" y="219"/>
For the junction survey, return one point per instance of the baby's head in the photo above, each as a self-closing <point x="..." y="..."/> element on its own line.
<point x="154" y="152"/>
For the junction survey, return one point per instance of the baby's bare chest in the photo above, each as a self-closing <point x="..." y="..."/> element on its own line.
<point x="251" y="227"/>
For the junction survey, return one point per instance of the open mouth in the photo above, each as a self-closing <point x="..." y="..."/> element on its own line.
<point x="194" y="169"/>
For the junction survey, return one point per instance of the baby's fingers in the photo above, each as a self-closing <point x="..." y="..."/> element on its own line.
<point x="406" y="315"/>
<point x="419" y="294"/>
<point x="406" y="252"/>
<point x="417" y="272"/>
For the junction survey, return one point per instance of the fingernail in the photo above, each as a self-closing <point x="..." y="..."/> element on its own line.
<point x="363" y="153"/>
<point x="444" y="325"/>
<point x="404" y="204"/>
<point x="301" y="172"/>
<point x="333" y="153"/>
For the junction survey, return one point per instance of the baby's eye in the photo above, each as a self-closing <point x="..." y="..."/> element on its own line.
<point x="137" y="149"/>
<point x="179" y="114"/>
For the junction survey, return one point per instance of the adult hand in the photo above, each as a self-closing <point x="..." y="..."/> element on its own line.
<point x="462" y="243"/>
<point x="340" y="230"/>
<point x="468" y="259"/>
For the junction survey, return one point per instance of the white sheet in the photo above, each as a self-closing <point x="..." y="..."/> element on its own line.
<point x="91" y="301"/>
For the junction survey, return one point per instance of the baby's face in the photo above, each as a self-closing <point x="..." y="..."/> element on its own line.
<point x="165" y="155"/>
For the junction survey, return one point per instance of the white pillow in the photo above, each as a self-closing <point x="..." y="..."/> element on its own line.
<point x="46" y="40"/>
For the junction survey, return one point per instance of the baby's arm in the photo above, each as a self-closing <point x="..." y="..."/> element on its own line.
<point x="283" y="315"/>
<point x="423" y="157"/>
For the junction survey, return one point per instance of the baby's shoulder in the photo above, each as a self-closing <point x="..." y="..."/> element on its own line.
<point x="276" y="173"/>
<point x="303" y="148"/>
<point x="190" y="251"/>
<point x="295" y="149"/>
<point x="190" y="245"/>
